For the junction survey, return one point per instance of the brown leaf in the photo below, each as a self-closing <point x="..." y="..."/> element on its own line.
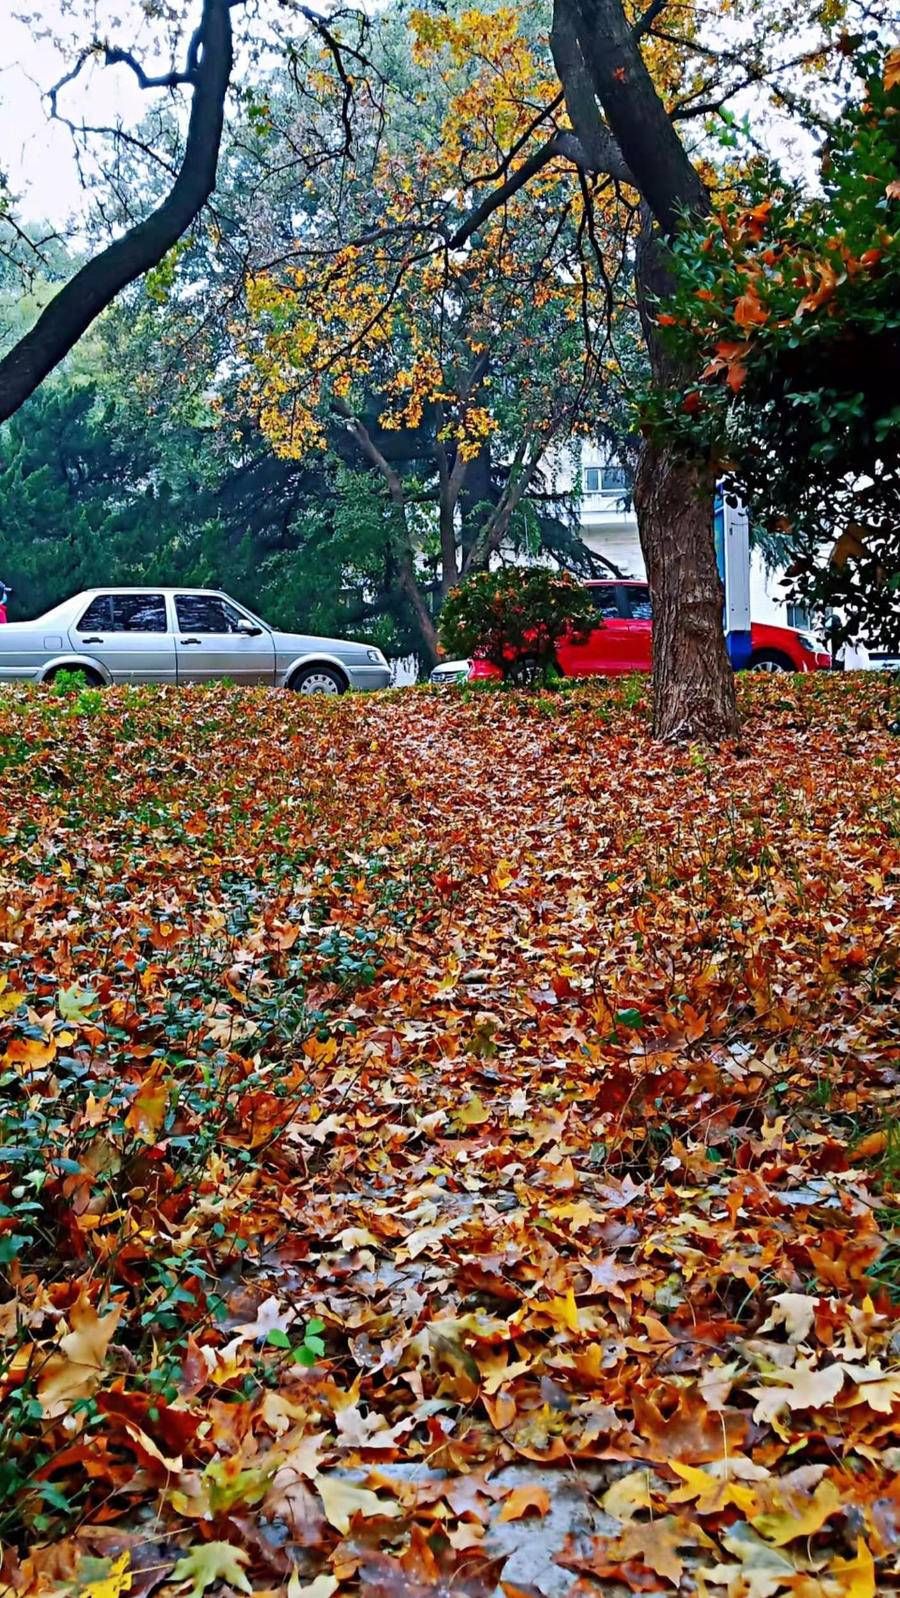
<point x="523" y="1501"/>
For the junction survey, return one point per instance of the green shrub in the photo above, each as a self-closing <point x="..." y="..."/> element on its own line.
<point x="515" y="617"/>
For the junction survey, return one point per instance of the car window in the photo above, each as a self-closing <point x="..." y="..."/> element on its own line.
<point x="206" y="613"/>
<point x="138" y="613"/>
<point x="605" y="601"/>
<point x="637" y="602"/>
<point x="98" y="615"/>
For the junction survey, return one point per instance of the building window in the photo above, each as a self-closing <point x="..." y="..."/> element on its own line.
<point x="605" y="480"/>
<point x="798" y="616"/>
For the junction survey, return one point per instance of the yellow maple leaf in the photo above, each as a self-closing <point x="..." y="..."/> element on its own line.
<point x="712" y="1493"/>
<point x="74" y="1369"/>
<point x="797" y="1519"/>
<point x="562" y="1310"/>
<point x="629" y="1494"/>
<point x="10" y="998"/>
<point x="473" y="1112"/>
<point x="341" y="1500"/>
<point x="117" y="1579"/>
<point x="857" y="1575"/>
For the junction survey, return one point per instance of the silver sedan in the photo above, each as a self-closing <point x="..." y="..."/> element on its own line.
<point x="175" y="635"/>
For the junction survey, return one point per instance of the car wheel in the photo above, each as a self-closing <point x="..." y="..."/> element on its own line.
<point x="318" y="680"/>
<point x="82" y="675"/>
<point x="525" y="673"/>
<point x="770" y="660"/>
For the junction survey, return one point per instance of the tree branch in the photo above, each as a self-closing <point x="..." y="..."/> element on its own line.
<point x="394" y="482"/>
<point x="497" y="197"/>
<point x="647" y="18"/>
<point x="636" y="115"/>
<point x="601" y="152"/>
<point x="100" y="280"/>
<point x="114" y="57"/>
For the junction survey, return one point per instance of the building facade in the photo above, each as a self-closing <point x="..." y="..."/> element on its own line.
<point x="609" y="528"/>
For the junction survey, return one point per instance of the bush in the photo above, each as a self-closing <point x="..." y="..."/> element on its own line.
<point x="515" y="617"/>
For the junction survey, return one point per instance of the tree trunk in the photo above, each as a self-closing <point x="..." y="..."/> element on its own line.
<point x="693" y="683"/>
<point x="447" y="497"/>
<point x="424" y="618"/>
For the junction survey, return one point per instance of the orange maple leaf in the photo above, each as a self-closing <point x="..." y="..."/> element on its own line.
<point x="524" y="1500"/>
<point x="823" y="292"/>
<point x="749" y="310"/>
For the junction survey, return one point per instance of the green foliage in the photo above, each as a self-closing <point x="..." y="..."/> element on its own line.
<point x="78" y="504"/>
<point x="310" y="1348"/>
<point x="515" y="617"/>
<point x="787" y="307"/>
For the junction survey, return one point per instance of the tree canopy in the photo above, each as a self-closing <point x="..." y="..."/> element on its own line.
<point x="788" y="302"/>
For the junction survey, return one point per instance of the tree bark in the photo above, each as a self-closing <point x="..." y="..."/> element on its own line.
<point x="71" y="312"/>
<point x="693" y="683"/>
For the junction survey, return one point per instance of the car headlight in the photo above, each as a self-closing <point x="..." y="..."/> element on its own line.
<point x="807" y="643"/>
<point x="376" y="656"/>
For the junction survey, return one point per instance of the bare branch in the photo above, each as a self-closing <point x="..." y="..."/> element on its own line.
<point x="113" y="57"/>
<point x="504" y="165"/>
<point x="71" y="312"/>
<point x="647" y="18"/>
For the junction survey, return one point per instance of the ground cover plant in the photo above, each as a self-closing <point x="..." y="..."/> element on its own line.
<point x="425" y="1112"/>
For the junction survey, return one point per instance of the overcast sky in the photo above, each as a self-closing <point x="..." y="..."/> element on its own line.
<point x="36" y="154"/>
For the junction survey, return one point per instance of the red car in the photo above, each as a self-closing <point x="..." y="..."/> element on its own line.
<point x="621" y="640"/>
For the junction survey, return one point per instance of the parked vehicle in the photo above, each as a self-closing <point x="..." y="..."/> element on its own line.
<point x="450" y="671"/>
<point x="621" y="641"/>
<point x="176" y="635"/>
<point x="882" y="660"/>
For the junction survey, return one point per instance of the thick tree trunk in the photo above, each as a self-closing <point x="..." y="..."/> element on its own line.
<point x="693" y="683"/>
<point x="596" y="44"/>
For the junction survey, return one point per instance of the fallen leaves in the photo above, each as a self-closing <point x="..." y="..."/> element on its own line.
<point x="525" y="1501"/>
<point x="75" y="1367"/>
<point x="349" y="1221"/>
<point x="341" y="1501"/>
<point x="654" y="1544"/>
<point x="210" y="1563"/>
<point x="802" y="1387"/>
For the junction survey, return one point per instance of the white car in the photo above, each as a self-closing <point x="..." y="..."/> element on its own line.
<point x="450" y="671"/>
<point x="175" y="635"/>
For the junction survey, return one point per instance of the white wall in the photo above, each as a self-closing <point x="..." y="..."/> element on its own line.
<point x="616" y="537"/>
